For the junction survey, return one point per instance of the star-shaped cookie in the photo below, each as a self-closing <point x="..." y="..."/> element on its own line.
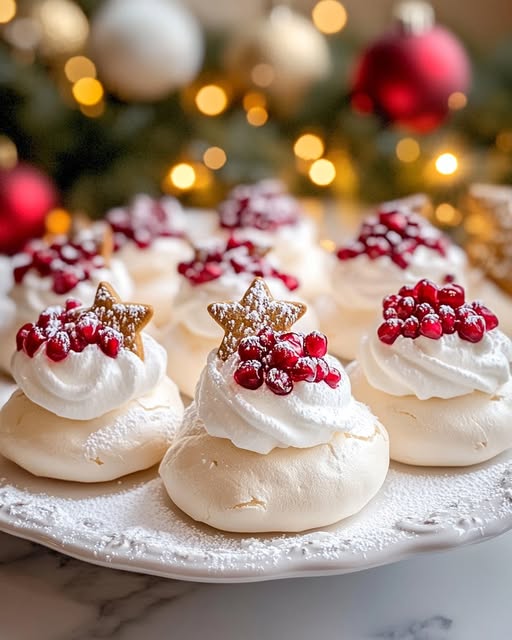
<point x="126" y="317"/>
<point x="256" y="310"/>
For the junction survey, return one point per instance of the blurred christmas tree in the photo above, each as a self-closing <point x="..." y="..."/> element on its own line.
<point x="116" y="97"/>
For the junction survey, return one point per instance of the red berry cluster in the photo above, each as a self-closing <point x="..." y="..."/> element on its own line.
<point x="144" y="221"/>
<point x="263" y="206"/>
<point x="63" y="329"/>
<point x="281" y="359"/>
<point x="396" y="234"/>
<point x="67" y="261"/>
<point x="431" y="311"/>
<point x="236" y="257"/>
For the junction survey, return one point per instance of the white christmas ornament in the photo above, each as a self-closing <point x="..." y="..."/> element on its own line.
<point x="282" y="52"/>
<point x="144" y="50"/>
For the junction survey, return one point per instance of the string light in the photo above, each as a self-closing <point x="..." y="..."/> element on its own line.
<point x="407" y="150"/>
<point x="8" y="153"/>
<point x="308" y="147"/>
<point x="448" y="215"/>
<point x="446" y="164"/>
<point x="214" y="158"/>
<point x="457" y="100"/>
<point x="254" y="99"/>
<point x="263" y="75"/>
<point x="88" y="91"/>
<point x="322" y="172"/>
<point x="58" y="222"/>
<point x="211" y="100"/>
<point x="329" y="16"/>
<point x="182" y="176"/>
<point x="79" y="67"/>
<point x="7" y="11"/>
<point x="257" y="116"/>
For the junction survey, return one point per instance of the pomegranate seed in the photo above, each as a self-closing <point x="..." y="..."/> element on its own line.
<point x="249" y="374"/>
<point x="452" y="294"/>
<point x="471" y="328"/>
<point x="430" y="326"/>
<point x="464" y="311"/>
<point x="22" y="334"/>
<point x="77" y="342"/>
<point x="267" y="337"/>
<point x="284" y="355"/>
<point x="351" y="251"/>
<point x="389" y="313"/>
<point x="333" y="377"/>
<point x="279" y="382"/>
<point x="389" y="330"/>
<point x="315" y="344"/>
<point x="250" y="349"/>
<point x="33" y="341"/>
<point x="399" y="260"/>
<point x="427" y="291"/>
<point x="20" y="272"/>
<point x="42" y="261"/>
<point x="110" y="341"/>
<point x="407" y="290"/>
<point x="393" y="220"/>
<point x="391" y="301"/>
<point x="49" y="317"/>
<point x="448" y="318"/>
<point x="304" y="370"/>
<point x="64" y="281"/>
<point x="87" y="327"/>
<point x="490" y="319"/>
<point x="449" y="278"/>
<point x="58" y="346"/>
<point x="72" y="303"/>
<point x="405" y="307"/>
<point x="322" y="369"/>
<point x="297" y="339"/>
<point x="411" y="327"/>
<point x="423" y="309"/>
<point x="377" y="247"/>
<point x="290" y="282"/>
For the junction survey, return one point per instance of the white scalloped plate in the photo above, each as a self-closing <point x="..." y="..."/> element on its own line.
<point x="131" y="524"/>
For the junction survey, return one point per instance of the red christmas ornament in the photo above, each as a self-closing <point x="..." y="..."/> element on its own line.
<point x="26" y="196"/>
<point x="408" y="75"/>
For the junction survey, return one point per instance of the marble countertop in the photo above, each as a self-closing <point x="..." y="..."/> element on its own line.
<point x="457" y="595"/>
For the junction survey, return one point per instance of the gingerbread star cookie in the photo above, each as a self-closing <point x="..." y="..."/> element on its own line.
<point x="257" y="309"/>
<point x="126" y="317"/>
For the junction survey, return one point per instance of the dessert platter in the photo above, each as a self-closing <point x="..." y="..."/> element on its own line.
<point x="320" y="429"/>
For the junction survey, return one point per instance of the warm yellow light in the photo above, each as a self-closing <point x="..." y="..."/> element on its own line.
<point x="257" y="116"/>
<point x="308" y="147"/>
<point x="322" y="172"/>
<point x="58" y="222"/>
<point x="329" y="16"/>
<point x="211" y="100"/>
<point x="504" y="141"/>
<point x="94" y="110"/>
<point x="79" y="67"/>
<point x="8" y="153"/>
<point x="457" y="100"/>
<point x="88" y="91"/>
<point x="214" y="157"/>
<point x="203" y="178"/>
<point x="328" y="245"/>
<point x="446" y="214"/>
<point x="7" y="11"/>
<point x="447" y="164"/>
<point x="254" y="99"/>
<point x="263" y="75"/>
<point x="407" y="150"/>
<point x="182" y="176"/>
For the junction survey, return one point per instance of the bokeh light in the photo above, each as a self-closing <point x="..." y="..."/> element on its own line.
<point x="88" y="91"/>
<point x="407" y="150"/>
<point x="58" y="222"/>
<point x="211" y="100"/>
<point x="254" y="99"/>
<point x="8" y="153"/>
<point x="263" y="75"/>
<point x="322" y="172"/>
<point x="457" y="100"/>
<point x="308" y="147"/>
<point x="182" y="176"/>
<point x="504" y="141"/>
<point x="79" y="67"/>
<point x="446" y="214"/>
<point x="214" y="158"/>
<point x="257" y="116"/>
<point x="329" y="16"/>
<point x="447" y="164"/>
<point x="7" y="11"/>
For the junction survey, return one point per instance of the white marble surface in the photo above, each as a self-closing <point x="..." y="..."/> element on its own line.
<point x="460" y="595"/>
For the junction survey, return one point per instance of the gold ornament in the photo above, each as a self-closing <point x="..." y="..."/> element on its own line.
<point x="489" y="226"/>
<point x="126" y="317"/>
<point x="257" y="309"/>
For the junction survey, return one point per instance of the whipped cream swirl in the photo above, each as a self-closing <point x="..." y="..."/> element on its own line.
<point x="361" y="283"/>
<point x="89" y="384"/>
<point x="259" y="420"/>
<point x="444" y="368"/>
<point x="35" y="292"/>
